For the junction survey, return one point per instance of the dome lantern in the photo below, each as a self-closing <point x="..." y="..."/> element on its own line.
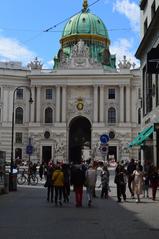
<point x="85" y="5"/>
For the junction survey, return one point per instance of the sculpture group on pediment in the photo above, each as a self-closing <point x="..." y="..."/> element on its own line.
<point x="80" y="50"/>
<point x="35" y="64"/>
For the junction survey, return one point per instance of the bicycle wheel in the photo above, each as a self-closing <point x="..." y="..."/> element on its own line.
<point x="21" y="180"/>
<point x="33" y="180"/>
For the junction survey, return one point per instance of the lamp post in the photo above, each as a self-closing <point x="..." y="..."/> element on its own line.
<point x="12" y="139"/>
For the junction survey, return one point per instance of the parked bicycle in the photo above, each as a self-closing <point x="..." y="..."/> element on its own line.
<point x="31" y="179"/>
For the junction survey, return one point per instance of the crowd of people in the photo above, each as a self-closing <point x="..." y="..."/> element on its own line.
<point x="138" y="178"/>
<point x="60" y="177"/>
<point x="133" y="177"/>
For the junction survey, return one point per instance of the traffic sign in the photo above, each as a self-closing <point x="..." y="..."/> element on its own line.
<point x="104" y="149"/>
<point x="29" y="149"/>
<point x="104" y="138"/>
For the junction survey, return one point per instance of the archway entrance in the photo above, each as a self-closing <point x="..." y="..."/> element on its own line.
<point x="79" y="135"/>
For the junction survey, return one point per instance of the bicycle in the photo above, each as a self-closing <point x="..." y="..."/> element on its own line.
<point x="31" y="179"/>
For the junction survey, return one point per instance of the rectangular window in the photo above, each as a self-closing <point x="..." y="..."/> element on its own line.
<point x="157" y="91"/>
<point x="48" y="94"/>
<point x="139" y="93"/>
<point x="145" y="26"/>
<point x="111" y="93"/>
<point x="153" y="9"/>
<point x="19" y="94"/>
<point x="18" y="138"/>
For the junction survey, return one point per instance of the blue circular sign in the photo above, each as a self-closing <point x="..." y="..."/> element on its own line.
<point x="29" y="149"/>
<point x="104" y="138"/>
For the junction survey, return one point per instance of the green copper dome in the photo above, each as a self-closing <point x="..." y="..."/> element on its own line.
<point x="91" y="30"/>
<point x="85" y="23"/>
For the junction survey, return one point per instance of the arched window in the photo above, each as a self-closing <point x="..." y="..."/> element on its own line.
<point x="19" y="115"/>
<point x="48" y="115"/>
<point x="111" y="115"/>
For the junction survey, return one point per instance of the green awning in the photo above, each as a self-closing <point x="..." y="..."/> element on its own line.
<point x="142" y="136"/>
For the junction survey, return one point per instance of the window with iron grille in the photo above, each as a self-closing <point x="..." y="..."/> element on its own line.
<point x="48" y="94"/>
<point x="19" y="116"/>
<point x="48" y="115"/>
<point x="19" y="94"/>
<point x="111" y="115"/>
<point x="111" y="93"/>
<point x="18" y="137"/>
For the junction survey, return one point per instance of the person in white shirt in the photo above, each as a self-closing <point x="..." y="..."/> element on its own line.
<point x="90" y="177"/>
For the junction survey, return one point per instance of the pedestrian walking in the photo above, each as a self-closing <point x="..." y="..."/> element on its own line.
<point x="130" y="169"/>
<point x="49" y="184"/>
<point x="146" y="184"/>
<point x="66" y="188"/>
<point x="41" y="171"/>
<point x="91" y="177"/>
<point x="104" y="182"/>
<point x="121" y="180"/>
<point x="58" y="183"/>
<point x="137" y="182"/>
<point x="154" y="179"/>
<point x="77" y="180"/>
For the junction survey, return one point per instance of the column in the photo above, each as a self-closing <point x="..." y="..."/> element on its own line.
<point x="95" y="103"/>
<point x="121" y="103"/>
<point x="6" y="104"/>
<point x="63" y="103"/>
<point x="101" y="116"/>
<point x="10" y="105"/>
<point x="38" y="105"/>
<point x="128" y="103"/>
<point x="57" y="103"/>
<point x="32" y="114"/>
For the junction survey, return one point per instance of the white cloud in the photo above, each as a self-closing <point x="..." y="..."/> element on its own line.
<point x="12" y="50"/>
<point x="130" y="10"/>
<point x="123" y="47"/>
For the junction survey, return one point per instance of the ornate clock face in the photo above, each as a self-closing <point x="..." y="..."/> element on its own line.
<point x="80" y="106"/>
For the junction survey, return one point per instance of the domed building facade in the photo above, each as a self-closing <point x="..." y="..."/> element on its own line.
<point x="83" y="99"/>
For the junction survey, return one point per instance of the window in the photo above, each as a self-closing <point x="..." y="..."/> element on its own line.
<point x="111" y="93"/>
<point x="49" y="94"/>
<point x="19" y="116"/>
<point x="145" y="26"/>
<point x="48" y="115"/>
<point x="139" y="116"/>
<point x="19" y="94"/>
<point x="153" y="9"/>
<point x="18" y="138"/>
<point x="111" y="115"/>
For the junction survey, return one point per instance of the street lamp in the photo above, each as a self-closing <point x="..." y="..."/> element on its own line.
<point x="12" y="139"/>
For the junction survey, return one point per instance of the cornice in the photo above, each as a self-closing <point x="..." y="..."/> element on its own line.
<point x="149" y="34"/>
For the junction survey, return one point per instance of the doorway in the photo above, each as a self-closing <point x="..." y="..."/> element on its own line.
<point x="79" y="135"/>
<point x="46" y="154"/>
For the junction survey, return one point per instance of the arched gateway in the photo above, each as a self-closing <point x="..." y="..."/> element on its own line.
<point x="79" y="135"/>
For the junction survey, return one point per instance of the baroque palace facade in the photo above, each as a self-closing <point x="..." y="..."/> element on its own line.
<point x="84" y="96"/>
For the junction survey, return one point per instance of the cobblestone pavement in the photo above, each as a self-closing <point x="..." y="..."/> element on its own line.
<point x="26" y="214"/>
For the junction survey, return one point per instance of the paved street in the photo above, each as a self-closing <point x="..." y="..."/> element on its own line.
<point x="25" y="214"/>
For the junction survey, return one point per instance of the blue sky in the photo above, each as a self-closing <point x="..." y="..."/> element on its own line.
<point x="23" y="22"/>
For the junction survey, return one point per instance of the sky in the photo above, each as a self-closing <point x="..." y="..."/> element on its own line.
<point x="23" y="25"/>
